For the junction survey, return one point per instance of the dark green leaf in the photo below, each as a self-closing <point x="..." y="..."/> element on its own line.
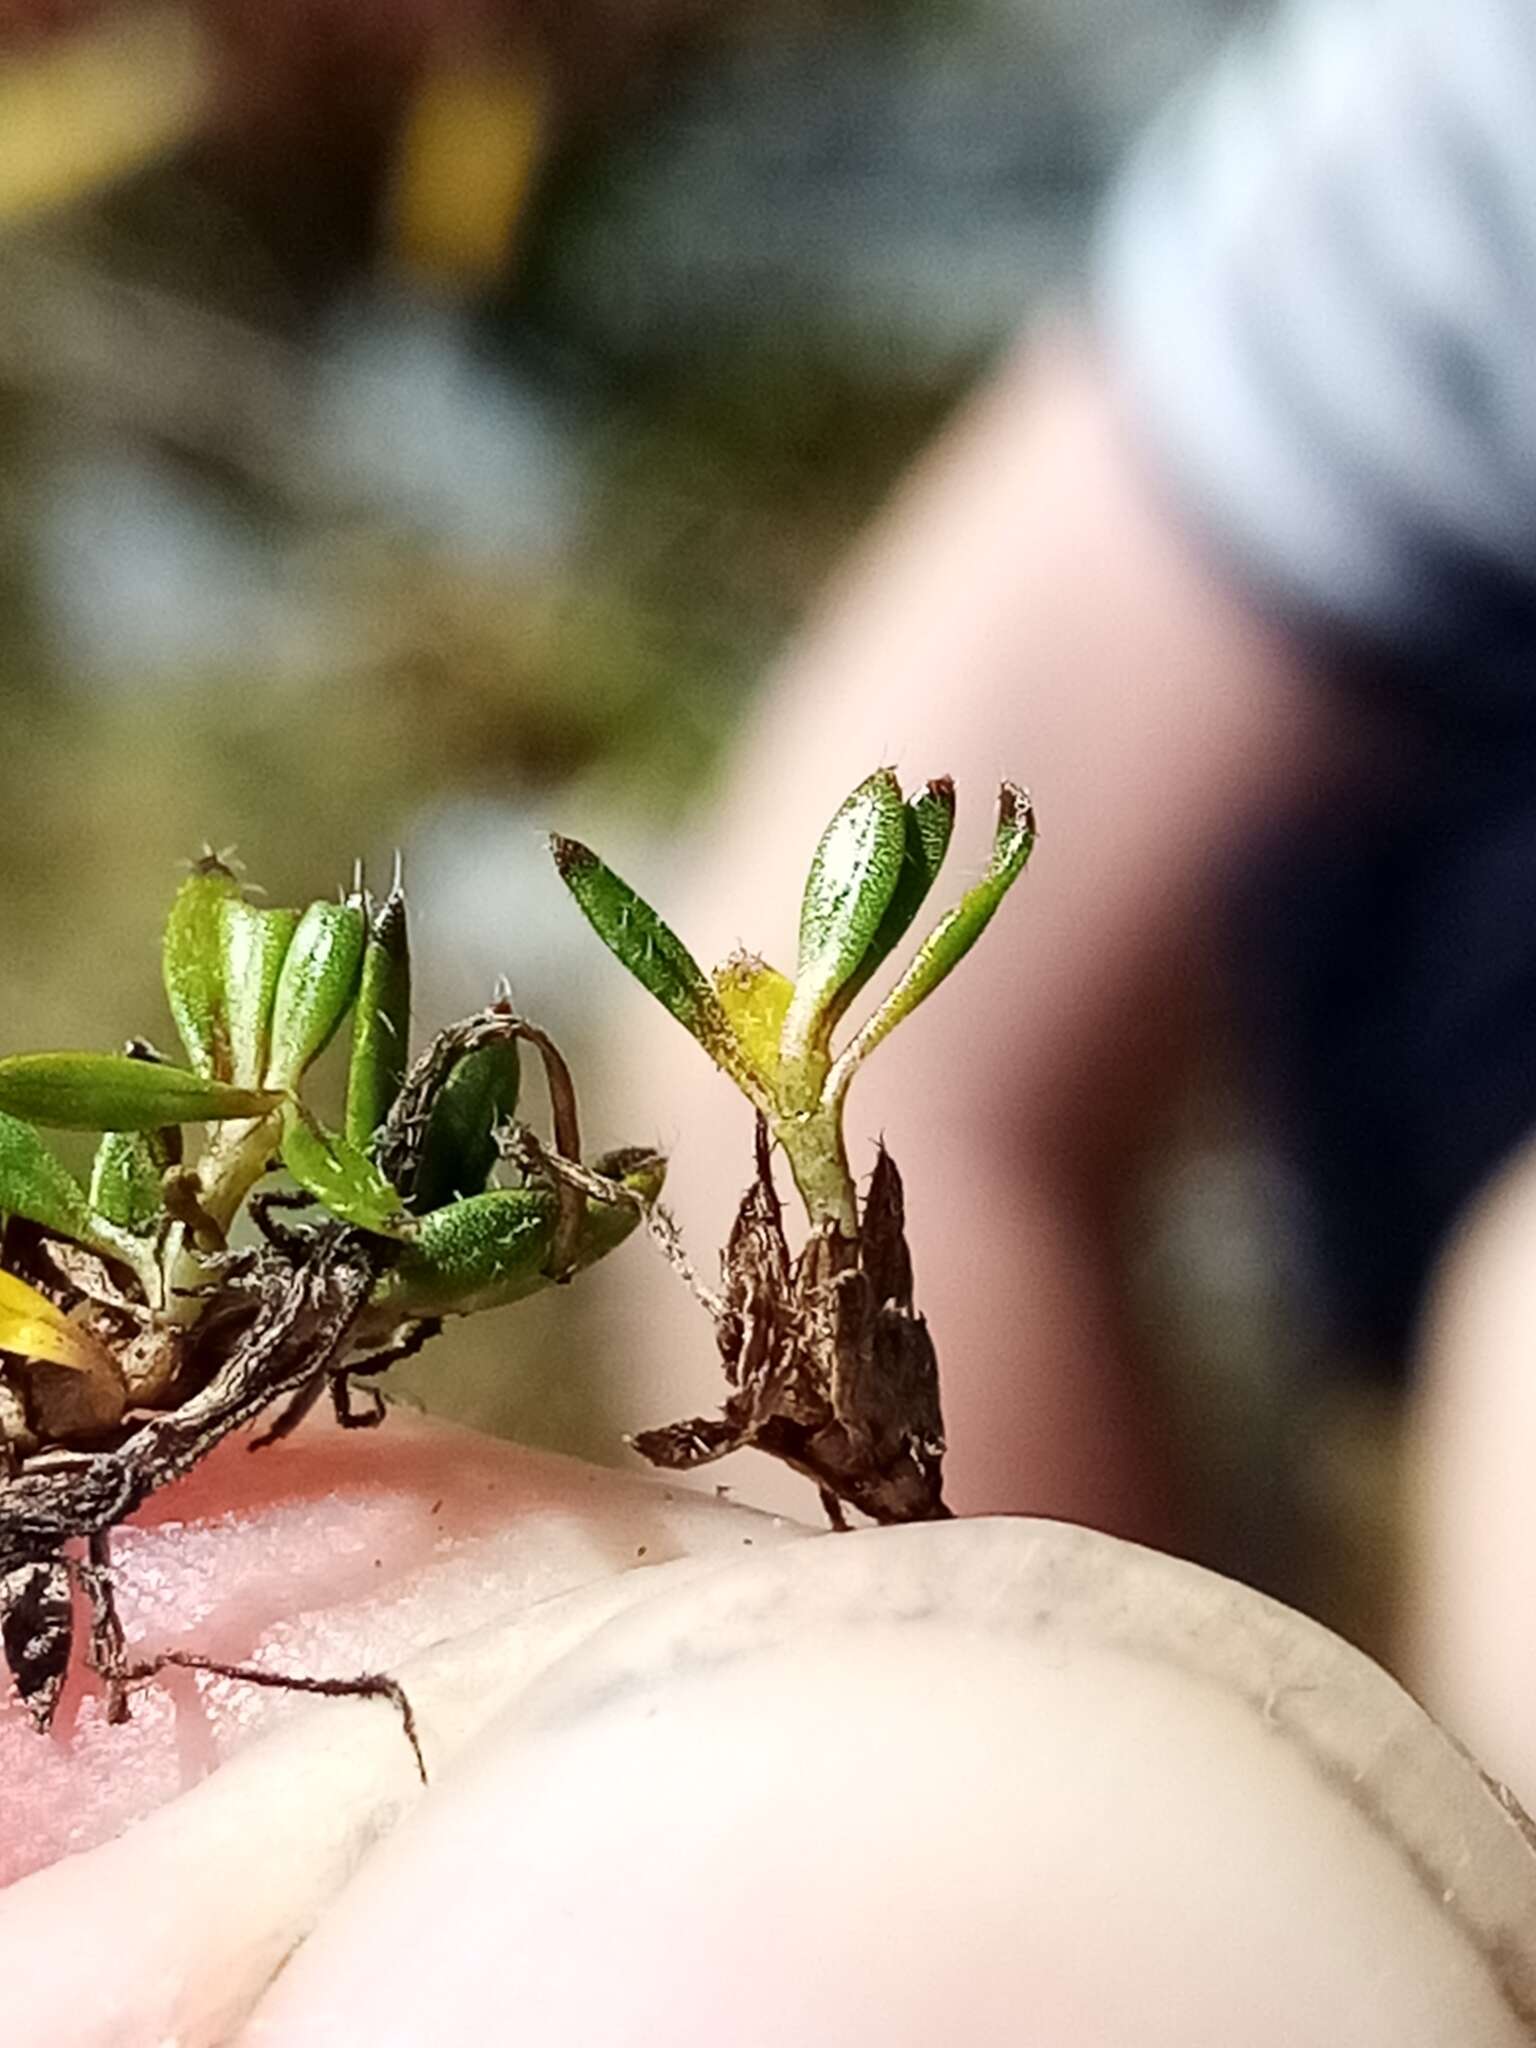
<point x="126" y="1177"/>
<point x="478" y="1096"/>
<point x="494" y="1248"/>
<point x="476" y="1254"/>
<point x="655" y="956"/>
<point x="36" y="1184"/>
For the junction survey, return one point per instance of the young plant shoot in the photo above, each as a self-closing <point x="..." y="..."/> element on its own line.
<point x="831" y="1368"/>
<point x="134" y="1335"/>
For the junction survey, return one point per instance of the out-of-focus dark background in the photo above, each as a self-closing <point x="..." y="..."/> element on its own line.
<point x="420" y="423"/>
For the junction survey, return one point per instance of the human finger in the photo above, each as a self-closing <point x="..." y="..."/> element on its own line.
<point x="988" y="1781"/>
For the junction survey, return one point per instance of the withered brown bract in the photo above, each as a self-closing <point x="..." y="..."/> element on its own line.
<point x="833" y="1369"/>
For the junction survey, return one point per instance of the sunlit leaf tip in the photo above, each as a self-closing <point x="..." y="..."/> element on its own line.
<point x="570" y="856"/>
<point x="1015" y="837"/>
<point x="853" y="875"/>
<point x="208" y="862"/>
<point x="928" y="824"/>
<point x="952" y="937"/>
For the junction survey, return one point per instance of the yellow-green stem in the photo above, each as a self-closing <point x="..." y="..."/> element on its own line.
<point x="813" y="1145"/>
<point x="235" y="1160"/>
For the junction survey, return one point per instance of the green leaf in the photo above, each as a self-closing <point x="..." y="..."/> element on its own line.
<point x="480" y="1253"/>
<point x="459" y="1150"/>
<point x="656" y="957"/>
<point x="35" y="1183"/>
<point x="253" y="943"/>
<point x="492" y="1249"/>
<point x="127" y="1175"/>
<point x="192" y="965"/>
<point x="315" y="989"/>
<point x="852" y="878"/>
<point x="109" y="1091"/>
<point x="341" y="1178"/>
<point x="952" y="937"/>
<point x="381" y="1031"/>
<point x="930" y="819"/>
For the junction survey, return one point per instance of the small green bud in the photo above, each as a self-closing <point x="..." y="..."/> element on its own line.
<point x="315" y="988"/>
<point x="381" y="1031"/>
<point x="254" y="942"/>
<point x="192" y="965"/>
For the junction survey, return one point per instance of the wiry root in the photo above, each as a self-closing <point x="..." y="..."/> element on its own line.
<point x="367" y="1685"/>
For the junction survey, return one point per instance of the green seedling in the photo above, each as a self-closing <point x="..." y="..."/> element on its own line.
<point x="136" y="1330"/>
<point x="832" y="1368"/>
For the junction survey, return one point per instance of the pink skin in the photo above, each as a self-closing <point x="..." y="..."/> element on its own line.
<point x="328" y="1554"/>
<point x="1000" y="1778"/>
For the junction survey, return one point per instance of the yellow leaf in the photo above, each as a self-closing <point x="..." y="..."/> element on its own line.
<point x="466" y="163"/>
<point x="93" y="105"/>
<point x="755" y="997"/>
<point x="31" y="1325"/>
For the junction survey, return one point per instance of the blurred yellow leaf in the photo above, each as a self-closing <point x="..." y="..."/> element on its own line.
<point x="98" y="103"/>
<point x="466" y="161"/>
